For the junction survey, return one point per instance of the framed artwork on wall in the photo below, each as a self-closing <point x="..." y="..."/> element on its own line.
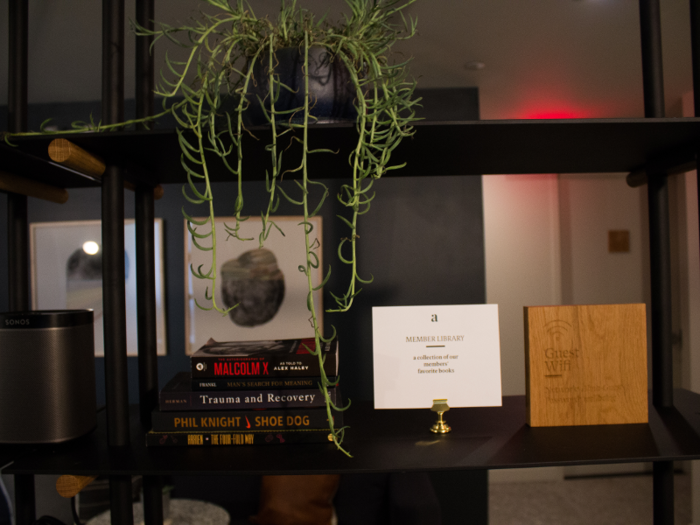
<point x="265" y="282"/>
<point x="66" y="274"/>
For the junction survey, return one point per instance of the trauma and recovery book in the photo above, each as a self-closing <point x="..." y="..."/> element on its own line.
<point x="178" y="394"/>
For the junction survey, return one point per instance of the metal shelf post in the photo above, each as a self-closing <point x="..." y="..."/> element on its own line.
<point x="114" y="300"/>
<point x="660" y="251"/>
<point x="17" y="222"/>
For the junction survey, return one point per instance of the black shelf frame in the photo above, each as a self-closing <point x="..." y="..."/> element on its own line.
<point x="484" y="146"/>
<point x="394" y="441"/>
<point x="655" y="145"/>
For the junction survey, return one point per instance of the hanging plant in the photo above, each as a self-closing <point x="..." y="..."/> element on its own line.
<point x="233" y="74"/>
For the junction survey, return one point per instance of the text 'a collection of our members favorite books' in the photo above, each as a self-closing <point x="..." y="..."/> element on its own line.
<point x="248" y="393"/>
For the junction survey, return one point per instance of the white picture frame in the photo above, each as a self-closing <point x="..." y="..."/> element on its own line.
<point x="54" y="244"/>
<point x="290" y="320"/>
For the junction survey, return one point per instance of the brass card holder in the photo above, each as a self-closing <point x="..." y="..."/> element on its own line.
<point x="440" y="426"/>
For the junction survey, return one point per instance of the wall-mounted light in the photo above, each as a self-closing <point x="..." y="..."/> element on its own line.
<point x="91" y="247"/>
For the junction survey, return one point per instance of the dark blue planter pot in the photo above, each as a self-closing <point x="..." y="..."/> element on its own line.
<point x="330" y="86"/>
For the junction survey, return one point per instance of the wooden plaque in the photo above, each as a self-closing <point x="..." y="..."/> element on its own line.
<point x="586" y="365"/>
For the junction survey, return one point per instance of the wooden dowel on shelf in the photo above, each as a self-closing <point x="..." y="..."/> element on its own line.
<point x="158" y="192"/>
<point x="76" y="158"/>
<point x="72" y="156"/>
<point x="69" y="486"/>
<point x="31" y="188"/>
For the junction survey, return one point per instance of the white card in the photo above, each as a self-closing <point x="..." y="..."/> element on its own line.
<point x="448" y="352"/>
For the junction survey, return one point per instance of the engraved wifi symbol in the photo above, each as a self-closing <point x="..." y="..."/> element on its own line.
<point x="557" y="329"/>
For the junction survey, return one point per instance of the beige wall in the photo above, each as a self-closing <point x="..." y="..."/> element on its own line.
<point x="521" y="231"/>
<point x="590" y="205"/>
<point x="546" y="241"/>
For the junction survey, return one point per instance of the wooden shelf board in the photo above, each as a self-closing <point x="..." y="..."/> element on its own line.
<point x="437" y="148"/>
<point x="396" y="441"/>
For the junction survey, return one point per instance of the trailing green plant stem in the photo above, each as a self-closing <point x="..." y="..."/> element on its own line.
<point x="337" y="436"/>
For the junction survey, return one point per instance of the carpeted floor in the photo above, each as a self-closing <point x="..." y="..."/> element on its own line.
<point x="614" y="500"/>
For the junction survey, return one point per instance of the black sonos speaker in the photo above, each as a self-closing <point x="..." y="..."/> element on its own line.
<point x="47" y="376"/>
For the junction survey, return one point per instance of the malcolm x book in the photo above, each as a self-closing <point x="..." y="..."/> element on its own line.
<point x="274" y="358"/>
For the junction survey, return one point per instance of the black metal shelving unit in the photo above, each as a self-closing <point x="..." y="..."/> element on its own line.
<point x="484" y="438"/>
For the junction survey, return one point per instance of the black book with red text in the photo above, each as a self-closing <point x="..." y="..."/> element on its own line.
<point x="178" y="394"/>
<point x="243" y="420"/>
<point x="205" y="439"/>
<point x="273" y="358"/>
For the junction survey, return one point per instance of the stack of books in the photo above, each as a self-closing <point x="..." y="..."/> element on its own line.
<point x="248" y="393"/>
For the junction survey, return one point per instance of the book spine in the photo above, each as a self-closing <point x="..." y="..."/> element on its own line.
<point x="243" y="399"/>
<point x="272" y="383"/>
<point x="290" y="365"/>
<point x="238" y="420"/>
<point x="194" y="439"/>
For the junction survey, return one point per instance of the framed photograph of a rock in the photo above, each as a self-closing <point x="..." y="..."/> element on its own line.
<point x="265" y="283"/>
<point x="586" y="365"/>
